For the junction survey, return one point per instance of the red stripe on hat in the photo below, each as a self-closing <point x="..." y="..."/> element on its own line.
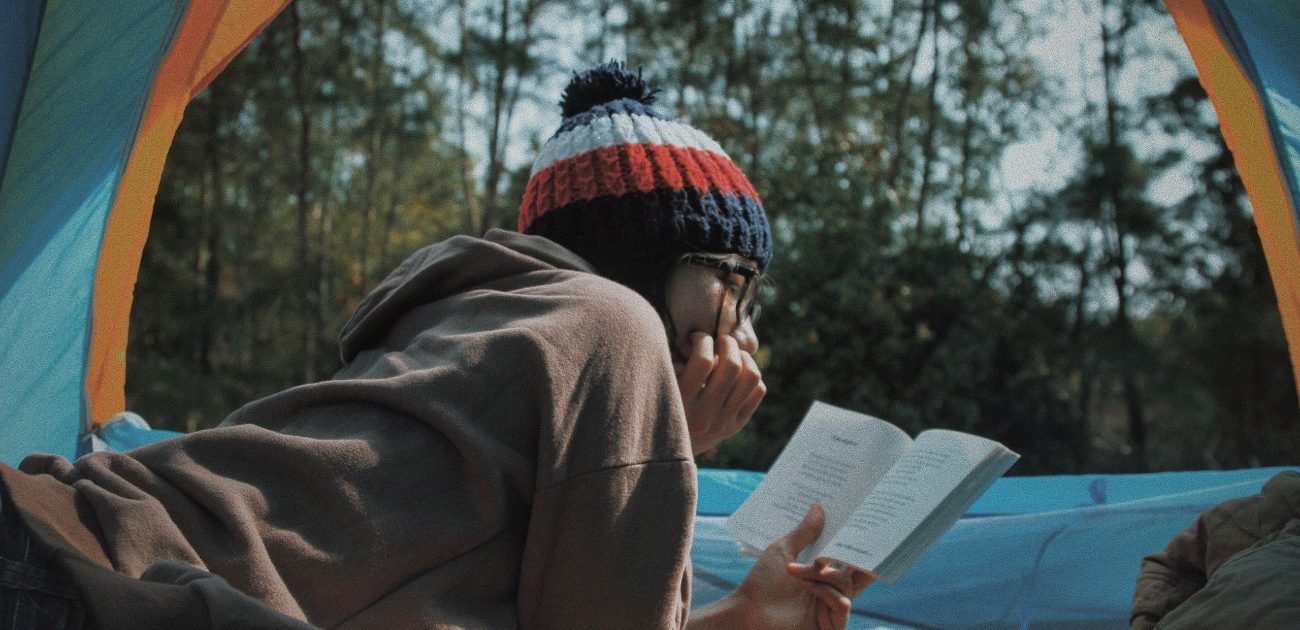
<point x="738" y="179"/>
<point x="727" y="176"/>
<point x="583" y="172"/>
<point x="562" y="184"/>
<point x="543" y="188"/>
<point x="665" y="168"/>
<point x="717" y="180"/>
<point x="609" y="173"/>
<point x="629" y="168"/>
<point x="690" y="165"/>
<point x="528" y="207"/>
<point x="642" y="173"/>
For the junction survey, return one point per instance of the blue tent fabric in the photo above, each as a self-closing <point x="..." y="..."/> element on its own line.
<point x="17" y="44"/>
<point x="1262" y="33"/>
<point x="71" y="123"/>
<point x="1057" y="551"/>
<point x="126" y="431"/>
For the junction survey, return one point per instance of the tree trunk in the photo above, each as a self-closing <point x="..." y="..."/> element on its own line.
<point x="1087" y="377"/>
<point x="468" y="225"/>
<point x="904" y="95"/>
<point x="692" y="43"/>
<point x="394" y="196"/>
<point x="375" y="145"/>
<point x="963" y="183"/>
<point x="972" y="69"/>
<point x="308" y="287"/>
<point x="605" y="7"/>
<point x="752" y="136"/>
<point x="932" y="122"/>
<point x="495" y="157"/>
<point x="1111" y="60"/>
<point x="209" y="255"/>
<point x="809" y="81"/>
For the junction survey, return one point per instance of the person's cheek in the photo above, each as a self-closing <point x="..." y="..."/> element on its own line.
<point x="704" y="320"/>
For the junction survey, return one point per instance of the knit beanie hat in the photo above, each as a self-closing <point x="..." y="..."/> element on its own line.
<point x="625" y="186"/>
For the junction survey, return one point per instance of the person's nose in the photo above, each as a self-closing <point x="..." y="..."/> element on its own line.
<point x="745" y="336"/>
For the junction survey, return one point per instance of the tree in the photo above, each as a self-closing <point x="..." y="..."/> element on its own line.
<point x="1090" y="324"/>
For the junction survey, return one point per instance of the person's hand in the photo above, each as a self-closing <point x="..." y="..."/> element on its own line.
<point x="721" y="387"/>
<point x="781" y="593"/>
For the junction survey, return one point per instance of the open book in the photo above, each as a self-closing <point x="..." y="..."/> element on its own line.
<point x="888" y="498"/>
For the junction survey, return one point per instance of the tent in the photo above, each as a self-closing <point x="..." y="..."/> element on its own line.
<point x="91" y="94"/>
<point x="90" y="98"/>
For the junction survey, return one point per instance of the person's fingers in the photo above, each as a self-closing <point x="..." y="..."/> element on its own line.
<point x="748" y="378"/>
<point x="828" y="619"/>
<point x="746" y="412"/>
<point x="823" y="572"/>
<point x="804" y="533"/>
<point x="698" y="366"/>
<point x="860" y="580"/>
<point x="832" y="601"/>
<point x="837" y="602"/>
<point x="723" y="377"/>
<point x="846" y="579"/>
<point x="826" y="622"/>
<point x="832" y="571"/>
<point x="803" y="571"/>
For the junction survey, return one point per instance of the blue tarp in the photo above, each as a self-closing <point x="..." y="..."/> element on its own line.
<point x="1033" y="552"/>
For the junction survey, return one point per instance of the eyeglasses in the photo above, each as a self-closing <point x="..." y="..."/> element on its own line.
<point x="746" y="293"/>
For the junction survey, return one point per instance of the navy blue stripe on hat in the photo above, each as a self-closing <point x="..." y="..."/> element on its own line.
<point x="658" y="222"/>
<point x="621" y="106"/>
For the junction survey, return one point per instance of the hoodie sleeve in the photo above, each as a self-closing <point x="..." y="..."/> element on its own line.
<point x="608" y="541"/>
<point x="610" y="549"/>
<point x="170" y="595"/>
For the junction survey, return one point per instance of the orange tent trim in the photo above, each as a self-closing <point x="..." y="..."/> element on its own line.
<point x="1244" y="124"/>
<point x="210" y="36"/>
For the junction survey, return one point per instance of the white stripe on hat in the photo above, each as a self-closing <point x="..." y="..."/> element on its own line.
<point x="616" y="129"/>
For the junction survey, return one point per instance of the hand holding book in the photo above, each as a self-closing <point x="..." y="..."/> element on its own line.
<point x="820" y="595"/>
<point x="888" y="498"/>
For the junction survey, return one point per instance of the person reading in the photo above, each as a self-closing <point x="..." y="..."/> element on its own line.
<point x="509" y="443"/>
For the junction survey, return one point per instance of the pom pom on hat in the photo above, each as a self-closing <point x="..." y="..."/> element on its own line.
<point x="603" y="84"/>
<point x="625" y="186"/>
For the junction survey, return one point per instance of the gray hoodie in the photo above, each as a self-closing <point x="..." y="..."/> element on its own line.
<point x="504" y="447"/>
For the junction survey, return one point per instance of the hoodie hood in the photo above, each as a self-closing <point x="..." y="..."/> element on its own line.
<point x="447" y="268"/>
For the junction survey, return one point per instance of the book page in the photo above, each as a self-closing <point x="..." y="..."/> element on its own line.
<point x="835" y="458"/>
<point x="931" y="469"/>
<point x="953" y="507"/>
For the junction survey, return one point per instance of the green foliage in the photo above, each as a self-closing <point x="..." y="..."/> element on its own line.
<point x="1090" y="326"/>
<point x="310" y="167"/>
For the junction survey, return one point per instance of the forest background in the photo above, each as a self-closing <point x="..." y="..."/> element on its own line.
<point x="1014" y="218"/>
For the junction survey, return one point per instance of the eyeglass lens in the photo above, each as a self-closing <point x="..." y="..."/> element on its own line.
<point x="747" y="307"/>
<point x="747" y="297"/>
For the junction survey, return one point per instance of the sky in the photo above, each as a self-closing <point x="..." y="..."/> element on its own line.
<point x="1071" y="51"/>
